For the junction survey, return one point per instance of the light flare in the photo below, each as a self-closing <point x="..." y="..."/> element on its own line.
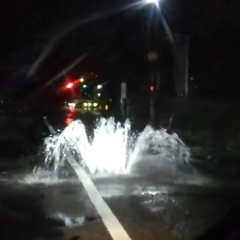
<point x="156" y="2"/>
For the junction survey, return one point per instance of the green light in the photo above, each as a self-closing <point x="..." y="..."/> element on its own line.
<point x="84" y="85"/>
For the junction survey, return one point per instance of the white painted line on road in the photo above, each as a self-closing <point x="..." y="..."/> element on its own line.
<point x="110" y="221"/>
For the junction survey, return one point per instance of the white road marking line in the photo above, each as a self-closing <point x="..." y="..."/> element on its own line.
<point x="110" y="221"/>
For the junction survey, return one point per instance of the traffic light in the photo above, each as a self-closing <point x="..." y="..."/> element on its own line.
<point x="84" y="86"/>
<point x="152" y="88"/>
<point x="69" y="85"/>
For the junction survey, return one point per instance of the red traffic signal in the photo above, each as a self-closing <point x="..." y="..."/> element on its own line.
<point x="69" y="85"/>
<point x="152" y="88"/>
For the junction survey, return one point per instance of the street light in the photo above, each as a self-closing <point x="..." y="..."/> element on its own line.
<point x="81" y="80"/>
<point x="165" y="25"/>
<point x="156" y="2"/>
<point x="99" y="86"/>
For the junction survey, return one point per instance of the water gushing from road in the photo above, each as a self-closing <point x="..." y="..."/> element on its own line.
<point x="113" y="148"/>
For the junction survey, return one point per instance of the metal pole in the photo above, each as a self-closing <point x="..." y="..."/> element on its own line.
<point x="123" y="108"/>
<point x="123" y="98"/>
<point x="152" y="111"/>
<point x="158" y="84"/>
<point x="152" y="58"/>
<point x="181" y="66"/>
<point x="152" y="102"/>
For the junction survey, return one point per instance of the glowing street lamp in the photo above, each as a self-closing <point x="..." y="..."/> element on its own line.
<point x="99" y="86"/>
<point x="81" y="80"/>
<point x="156" y="2"/>
<point x="165" y="24"/>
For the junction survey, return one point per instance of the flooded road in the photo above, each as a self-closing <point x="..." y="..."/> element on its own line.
<point x="148" y="207"/>
<point x="152" y="203"/>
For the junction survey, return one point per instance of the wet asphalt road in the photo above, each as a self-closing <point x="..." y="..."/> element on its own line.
<point x="149" y="207"/>
<point x="154" y="205"/>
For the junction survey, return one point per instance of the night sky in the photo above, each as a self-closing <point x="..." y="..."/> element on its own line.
<point x="118" y="41"/>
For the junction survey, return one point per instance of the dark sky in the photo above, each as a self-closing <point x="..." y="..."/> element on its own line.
<point x="120" y="41"/>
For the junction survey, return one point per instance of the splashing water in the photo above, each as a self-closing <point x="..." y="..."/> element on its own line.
<point x="113" y="149"/>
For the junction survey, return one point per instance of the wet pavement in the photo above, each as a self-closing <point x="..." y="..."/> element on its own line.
<point x="37" y="207"/>
<point x="153" y="206"/>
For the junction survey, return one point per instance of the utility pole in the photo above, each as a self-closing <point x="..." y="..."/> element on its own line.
<point x="154" y="82"/>
<point x="123" y="99"/>
<point x="181" y="65"/>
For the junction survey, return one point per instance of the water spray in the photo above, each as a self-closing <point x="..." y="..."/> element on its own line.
<point x="113" y="149"/>
<point x="110" y="221"/>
